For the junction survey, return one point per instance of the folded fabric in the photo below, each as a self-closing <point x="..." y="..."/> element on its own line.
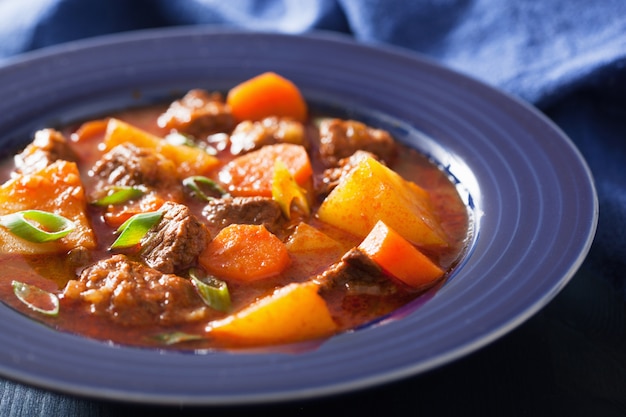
<point x="536" y="50"/>
<point x="552" y="54"/>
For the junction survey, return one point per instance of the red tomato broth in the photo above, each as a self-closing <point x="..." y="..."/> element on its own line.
<point x="51" y="272"/>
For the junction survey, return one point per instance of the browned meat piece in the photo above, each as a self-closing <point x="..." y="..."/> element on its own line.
<point x="249" y="135"/>
<point x="341" y="138"/>
<point x="128" y="165"/>
<point x="132" y="294"/>
<point x="47" y="147"/>
<point x="175" y="243"/>
<point x="332" y="176"/>
<point x="244" y="210"/>
<point x="199" y="114"/>
<point x="354" y="278"/>
<point x="354" y="268"/>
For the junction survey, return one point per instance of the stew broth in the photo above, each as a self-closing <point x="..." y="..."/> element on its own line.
<point x="350" y="304"/>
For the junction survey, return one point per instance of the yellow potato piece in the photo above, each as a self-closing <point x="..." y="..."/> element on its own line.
<point x="56" y="189"/>
<point x="293" y="313"/>
<point x="307" y="238"/>
<point x="188" y="159"/>
<point x="373" y="192"/>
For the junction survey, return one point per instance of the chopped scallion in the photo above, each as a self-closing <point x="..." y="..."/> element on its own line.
<point x="37" y="226"/>
<point x="197" y="182"/>
<point x="178" y="139"/>
<point x="119" y="195"/>
<point x="134" y="229"/>
<point x="177" y="337"/>
<point x="213" y="291"/>
<point x="35" y="298"/>
<point x="286" y="191"/>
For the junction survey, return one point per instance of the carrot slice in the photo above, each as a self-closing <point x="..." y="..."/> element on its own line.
<point x="116" y="215"/>
<point x="399" y="258"/>
<point x="252" y="173"/>
<point x="90" y="130"/>
<point x="266" y="95"/>
<point x="245" y="252"/>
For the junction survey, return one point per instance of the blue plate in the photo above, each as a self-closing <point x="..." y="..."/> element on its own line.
<point x="530" y="194"/>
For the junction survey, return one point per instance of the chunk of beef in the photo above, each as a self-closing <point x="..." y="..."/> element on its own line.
<point x="356" y="288"/>
<point x="354" y="269"/>
<point x="199" y="114"/>
<point x="354" y="278"/>
<point x="244" y="210"/>
<point x="357" y="273"/>
<point x="129" y="293"/>
<point x="341" y="138"/>
<point x="48" y="146"/>
<point x="248" y="136"/>
<point x="332" y="176"/>
<point x="128" y="165"/>
<point x="176" y="241"/>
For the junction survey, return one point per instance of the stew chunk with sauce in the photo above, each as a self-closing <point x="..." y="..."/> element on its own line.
<point x="223" y="221"/>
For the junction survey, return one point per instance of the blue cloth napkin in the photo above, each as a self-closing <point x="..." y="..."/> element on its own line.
<point x="567" y="57"/>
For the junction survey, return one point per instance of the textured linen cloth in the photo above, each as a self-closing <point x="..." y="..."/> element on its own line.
<point x="567" y="57"/>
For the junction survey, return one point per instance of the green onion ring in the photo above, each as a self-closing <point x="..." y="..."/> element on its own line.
<point x="177" y="337"/>
<point x="194" y="183"/>
<point x="51" y="226"/>
<point x="134" y="229"/>
<point x="35" y="298"/>
<point x="119" y="195"/>
<point x="179" y="139"/>
<point x="214" y="292"/>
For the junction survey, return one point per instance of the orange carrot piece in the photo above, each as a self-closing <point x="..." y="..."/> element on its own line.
<point x="252" y="173"/>
<point x="245" y="252"/>
<point x="114" y="216"/>
<point x="90" y="130"/>
<point x="266" y="95"/>
<point x="399" y="258"/>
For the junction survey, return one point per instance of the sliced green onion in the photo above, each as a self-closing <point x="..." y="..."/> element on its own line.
<point x="119" y="195"/>
<point x="195" y="183"/>
<point x="286" y="191"/>
<point x="213" y="291"/>
<point x="134" y="229"/>
<point x="35" y="298"/>
<point x="178" y="139"/>
<point x="177" y="337"/>
<point x="37" y="226"/>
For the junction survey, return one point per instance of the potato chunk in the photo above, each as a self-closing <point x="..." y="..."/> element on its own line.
<point x="307" y="238"/>
<point x="290" y="314"/>
<point x="189" y="160"/>
<point x="373" y="192"/>
<point x="56" y="188"/>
